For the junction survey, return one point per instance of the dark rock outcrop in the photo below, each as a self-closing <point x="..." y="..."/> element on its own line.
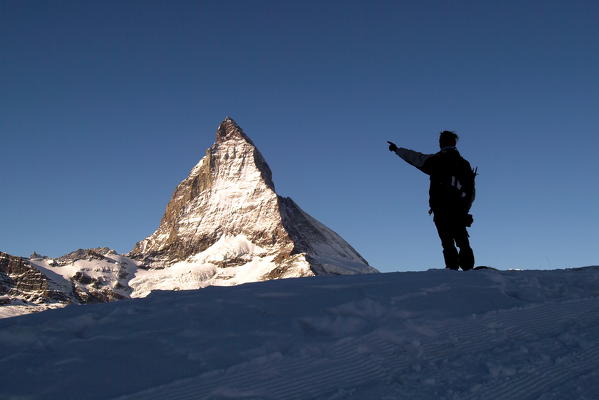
<point x="98" y="253"/>
<point x="20" y="279"/>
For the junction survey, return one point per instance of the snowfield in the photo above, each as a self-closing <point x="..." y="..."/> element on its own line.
<point x="413" y="335"/>
<point x="202" y="270"/>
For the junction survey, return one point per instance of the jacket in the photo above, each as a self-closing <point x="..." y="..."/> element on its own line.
<point x="451" y="178"/>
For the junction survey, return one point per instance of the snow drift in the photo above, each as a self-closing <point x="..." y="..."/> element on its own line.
<point x="416" y="335"/>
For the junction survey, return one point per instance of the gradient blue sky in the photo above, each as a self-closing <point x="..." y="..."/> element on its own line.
<point x="106" y="105"/>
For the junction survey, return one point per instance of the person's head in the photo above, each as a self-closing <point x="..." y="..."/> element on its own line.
<point x="448" y="139"/>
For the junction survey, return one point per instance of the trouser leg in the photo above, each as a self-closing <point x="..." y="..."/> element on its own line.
<point x="450" y="254"/>
<point x="466" y="255"/>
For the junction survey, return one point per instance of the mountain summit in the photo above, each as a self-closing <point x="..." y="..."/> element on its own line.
<point x="229" y="129"/>
<point x="225" y="224"/>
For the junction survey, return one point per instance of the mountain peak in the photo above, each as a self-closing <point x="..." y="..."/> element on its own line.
<point x="226" y="224"/>
<point x="228" y="130"/>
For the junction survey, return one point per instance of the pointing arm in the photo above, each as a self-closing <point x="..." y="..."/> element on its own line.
<point x="414" y="158"/>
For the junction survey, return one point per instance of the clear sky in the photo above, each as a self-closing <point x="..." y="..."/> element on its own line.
<point x="106" y="105"/>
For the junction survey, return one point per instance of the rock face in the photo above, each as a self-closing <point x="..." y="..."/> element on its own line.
<point x="19" y="279"/>
<point x="226" y="213"/>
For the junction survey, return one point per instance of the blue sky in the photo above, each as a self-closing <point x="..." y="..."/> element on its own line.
<point x="106" y="106"/>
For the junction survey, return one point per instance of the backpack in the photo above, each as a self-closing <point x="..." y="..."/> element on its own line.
<point x="452" y="182"/>
<point x="466" y="188"/>
<point x="466" y="192"/>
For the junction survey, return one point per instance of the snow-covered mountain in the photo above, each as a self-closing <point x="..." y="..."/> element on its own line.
<point x="83" y="276"/>
<point x="225" y="225"/>
<point x="95" y="275"/>
<point x="439" y="334"/>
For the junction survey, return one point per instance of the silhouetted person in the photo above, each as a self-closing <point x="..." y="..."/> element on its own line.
<point x="451" y="195"/>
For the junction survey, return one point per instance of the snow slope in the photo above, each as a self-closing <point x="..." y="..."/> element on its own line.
<point x="205" y="268"/>
<point x="112" y="272"/>
<point x="416" y="335"/>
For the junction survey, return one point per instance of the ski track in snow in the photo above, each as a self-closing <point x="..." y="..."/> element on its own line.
<point x="345" y="367"/>
<point x="429" y="335"/>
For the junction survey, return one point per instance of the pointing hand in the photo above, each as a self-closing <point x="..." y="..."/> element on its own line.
<point x="392" y="146"/>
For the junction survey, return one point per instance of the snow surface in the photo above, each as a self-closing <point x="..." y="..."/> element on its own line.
<point x="115" y="271"/>
<point x="127" y="277"/>
<point x="204" y="269"/>
<point x="415" y="335"/>
<point x="17" y="307"/>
